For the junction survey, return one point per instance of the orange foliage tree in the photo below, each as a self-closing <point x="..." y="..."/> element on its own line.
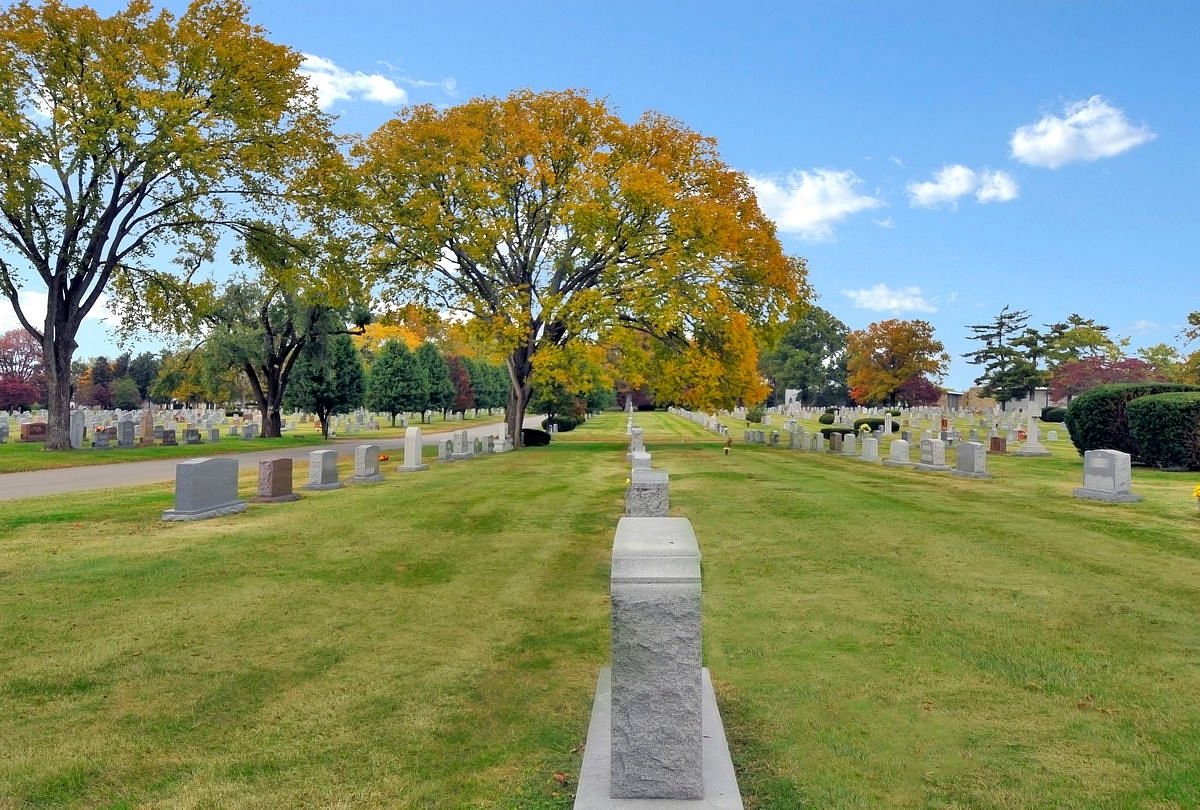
<point x="887" y="354"/>
<point x="544" y="220"/>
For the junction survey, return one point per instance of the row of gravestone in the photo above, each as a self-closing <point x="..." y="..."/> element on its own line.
<point x="655" y="738"/>
<point x="1107" y="473"/>
<point x="207" y="487"/>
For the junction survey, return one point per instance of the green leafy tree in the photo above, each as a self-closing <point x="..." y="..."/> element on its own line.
<point x="397" y="383"/>
<point x="441" y="387"/>
<point x="328" y="379"/>
<point x="130" y="140"/>
<point x="490" y="383"/>
<point x="1079" y="338"/>
<point x="143" y="369"/>
<point x="810" y="357"/>
<point x="125" y="394"/>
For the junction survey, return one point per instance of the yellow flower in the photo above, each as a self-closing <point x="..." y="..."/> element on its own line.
<point x="1196" y="491"/>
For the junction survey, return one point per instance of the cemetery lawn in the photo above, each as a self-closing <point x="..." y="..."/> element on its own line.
<point x="17" y="456"/>
<point x="877" y="637"/>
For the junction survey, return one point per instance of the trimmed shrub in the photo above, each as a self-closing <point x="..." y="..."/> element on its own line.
<point x="1054" y="414"/>
<point x="534" y="438"/>
<point x="1166" y="430"/>
<point x="1096" y="418"/>
<point x="826" y="418"/>
<point x="754" y="415"/>
<point x="842" y="429"/>
<point x="874" y="422"/>
<point x="563" y="423"/>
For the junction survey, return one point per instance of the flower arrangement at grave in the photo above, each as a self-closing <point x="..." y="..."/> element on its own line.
<point x="1196" y="495"/>
<point x="384" y="457"/>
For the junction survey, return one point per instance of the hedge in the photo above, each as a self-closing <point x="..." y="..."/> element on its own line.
<point x="827" y="417"/>
<point x="842" y="429"/>
<point x="1166" y="430"/>
<point x="1096" y="418"/>
<point x="1054" y="414"/>
<point x="874" y="422"/>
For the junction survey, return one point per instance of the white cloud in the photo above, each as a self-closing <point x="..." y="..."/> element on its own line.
<point x="811" y="203"/>
<point x="33" y="304"/>
<point x="996" y="187"/>
<point x="955" y="181"/>
<point x="886" y="222"/>
<point x="1088" y="130"/>
<point x="882" y="298"/>
<point x="333" y="83"/>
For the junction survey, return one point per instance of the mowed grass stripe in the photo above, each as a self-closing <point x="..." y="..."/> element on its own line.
<point x="879" y="638"/>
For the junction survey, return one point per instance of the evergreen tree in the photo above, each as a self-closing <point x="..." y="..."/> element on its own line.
<point x="441" y="387"/>
<point x="397" y="383"/>
<point x="1007" y="370"/>
<point x="327" y="379"/>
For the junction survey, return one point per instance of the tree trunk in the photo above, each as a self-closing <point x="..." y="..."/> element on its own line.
<point x="520" y="368"/>
<point x="57" y="351"/>
<point x="272" y="423"/>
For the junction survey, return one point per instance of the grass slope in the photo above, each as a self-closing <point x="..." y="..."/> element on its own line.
<point x="879" y="638"/>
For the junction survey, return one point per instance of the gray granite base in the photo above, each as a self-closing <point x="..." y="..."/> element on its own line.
<point x="934" y="468"/>
<point x="291" y="496"/>
<point x="367" y="479"/>
<point x="1107" y="497"/>
<point x="231" y="508"/>
<point x="417" y="468"/>
<point x="319" y="487"/>
<point x="887" y="462"/>
<point x="1031" y="451"/>
<point x="720" y="781"/>
<point x="966" y="474"/>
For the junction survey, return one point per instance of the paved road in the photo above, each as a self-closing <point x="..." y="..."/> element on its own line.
<point x="138" y="473"/>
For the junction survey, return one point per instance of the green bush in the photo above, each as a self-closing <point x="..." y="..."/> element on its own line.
<point x="826" y="418"/>
<point x="754" y="415"/>
<point x="1096" y="418"/>
<point x="1054" y="414"/>
<point x="842" y="429"/>
<point x="562" y="422"/>
<point x="1166" y="430"/>
<point x="874" y="422"/>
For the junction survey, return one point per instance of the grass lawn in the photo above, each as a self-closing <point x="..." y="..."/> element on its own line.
<point x="878" y="637"/>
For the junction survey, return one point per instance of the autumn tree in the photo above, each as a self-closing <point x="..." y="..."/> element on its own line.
<point x="1076" y="376"/>
<point x="22" y="375"/>
<point x="130" y="140"/>
<point x="464" y="393"/>
<point x="887" y="354"/>
<point x="543" y="219"/>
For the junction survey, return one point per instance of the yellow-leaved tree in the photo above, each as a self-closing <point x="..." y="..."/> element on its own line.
<point x="546" y="219"/>
<point x="132" y="140"/>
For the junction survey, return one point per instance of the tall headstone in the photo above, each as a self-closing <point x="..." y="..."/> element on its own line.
<point x="204" y="488"/>
<point x="366" y="464"/>
<point x="656" y="679"/>
<point x="76" y="430"/>
<point x="125" y="433"/>
<point x="275" y="481"/>
<point x="647" y="495"/>
<point x="835" y="442"/>
<point x="850" y="445"/>
<point x="322" y="470"/>
<point x="898" y="454"/>
<point x="147" y="425"/>
<point x="933" y="456"/>
<point x="971" y="461"/>
<point x="1107" y="476"/>
<point x="412" y="451"/>
<point x="870" y="450"/>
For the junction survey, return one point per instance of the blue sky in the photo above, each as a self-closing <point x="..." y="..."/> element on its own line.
<point x="931" y="160"/>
